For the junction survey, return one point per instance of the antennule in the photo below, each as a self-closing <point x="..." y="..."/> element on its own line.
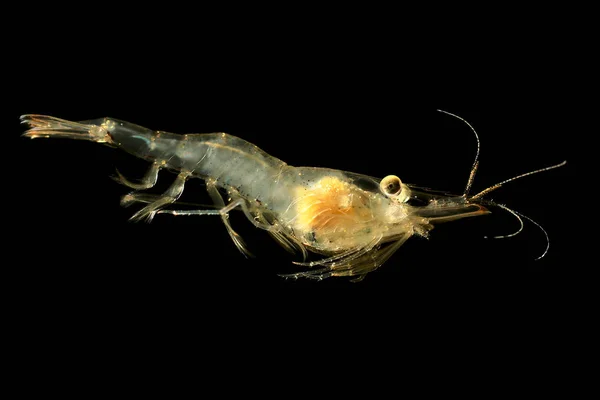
<point x="476" y="162"/>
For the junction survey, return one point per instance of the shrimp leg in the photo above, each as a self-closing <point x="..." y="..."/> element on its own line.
<point x="355" y="262"/>
<point x="258" y="219"/>
<point x="341" y="264"/>
<point x="135" y="197"/>
<point x="375" y="261"/>
<point x="222" y="211"/>
<point x="170" y="196"/>
<point x="148" y="181"/>
<point x="218" y="200"/>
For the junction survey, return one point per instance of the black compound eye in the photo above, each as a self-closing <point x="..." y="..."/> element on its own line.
<point x="391" y="185"/>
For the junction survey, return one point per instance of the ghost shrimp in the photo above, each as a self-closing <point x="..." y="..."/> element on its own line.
<point x="352" y="221"/>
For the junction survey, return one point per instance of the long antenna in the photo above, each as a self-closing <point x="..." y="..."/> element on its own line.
<point x="518" y="215"/>
<point x="476" y="162"/>
<point x="498" y="185"/>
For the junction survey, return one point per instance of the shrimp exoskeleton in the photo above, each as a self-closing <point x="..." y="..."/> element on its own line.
<point x="354" y="221"/>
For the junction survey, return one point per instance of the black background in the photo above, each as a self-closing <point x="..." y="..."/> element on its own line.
<point x="356" y="98"/>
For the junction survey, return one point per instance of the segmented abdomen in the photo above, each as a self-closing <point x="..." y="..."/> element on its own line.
<point x="226" y="159"/>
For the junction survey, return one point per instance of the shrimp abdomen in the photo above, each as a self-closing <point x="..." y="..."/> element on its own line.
<point x="226" y="160"/>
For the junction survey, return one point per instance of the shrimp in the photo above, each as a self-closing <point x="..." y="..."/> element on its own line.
<point x="354" y="222"/>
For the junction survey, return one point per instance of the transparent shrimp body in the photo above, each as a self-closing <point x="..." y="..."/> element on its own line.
<point x="355" y="222"/>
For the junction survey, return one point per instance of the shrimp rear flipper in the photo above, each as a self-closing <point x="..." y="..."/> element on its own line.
<point x="44" y="126"/>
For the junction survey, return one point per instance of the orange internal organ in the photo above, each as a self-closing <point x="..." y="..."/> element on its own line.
<point x="332" y="206"/>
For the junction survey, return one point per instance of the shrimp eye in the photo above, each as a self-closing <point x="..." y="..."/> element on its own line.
<point x="391" y="185"/>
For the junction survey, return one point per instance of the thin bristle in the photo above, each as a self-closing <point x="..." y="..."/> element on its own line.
<point x="498" y="185"/>
<point x="545" y="233"/>
<point x="38" y="121"/>
<point x="510" y="234"/>
<point x="518" y="215"/>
